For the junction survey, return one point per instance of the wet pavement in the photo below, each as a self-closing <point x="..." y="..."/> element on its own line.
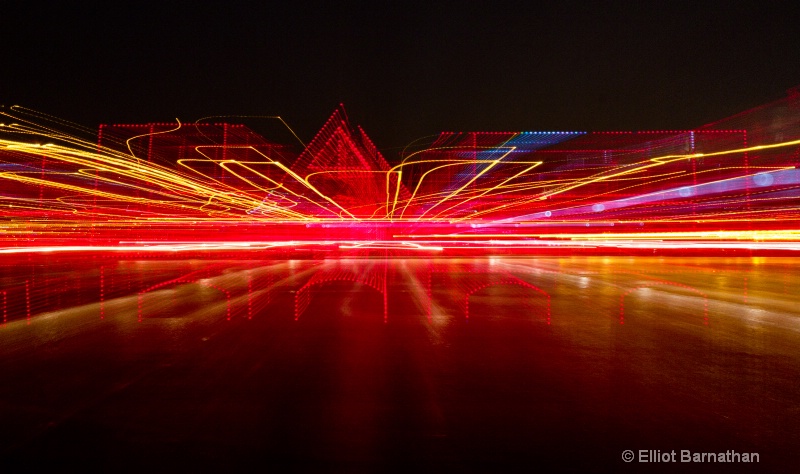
<point x="481" y="364"/>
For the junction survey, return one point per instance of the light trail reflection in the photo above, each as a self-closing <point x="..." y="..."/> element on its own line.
<point x="346" y="360"/>
<point x="545" y="288"/>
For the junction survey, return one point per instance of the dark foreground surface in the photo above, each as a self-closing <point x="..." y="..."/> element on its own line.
<point x="496" y="364"/>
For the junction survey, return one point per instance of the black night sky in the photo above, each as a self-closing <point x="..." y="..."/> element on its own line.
<point x="403" y="71"/>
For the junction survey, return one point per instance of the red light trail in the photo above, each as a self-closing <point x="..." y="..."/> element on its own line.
<point x="220" y="186"/>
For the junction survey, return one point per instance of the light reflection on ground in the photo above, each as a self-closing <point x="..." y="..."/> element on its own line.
<point x="471" y="364"/>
